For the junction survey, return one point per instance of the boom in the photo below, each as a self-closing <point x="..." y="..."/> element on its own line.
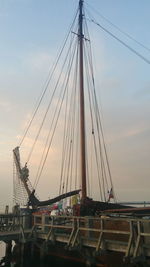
<point x="23" y="173"/>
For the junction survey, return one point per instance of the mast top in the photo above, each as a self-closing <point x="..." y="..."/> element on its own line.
<point x="81" y="3"/>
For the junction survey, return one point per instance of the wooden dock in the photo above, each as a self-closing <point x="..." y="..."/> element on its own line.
<point x="94" y="236"/>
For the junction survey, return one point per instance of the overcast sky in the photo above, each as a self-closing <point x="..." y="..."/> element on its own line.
<point x="31" y="32"/>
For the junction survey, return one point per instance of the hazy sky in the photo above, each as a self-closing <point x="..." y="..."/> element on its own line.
<point x="31" y="32"/>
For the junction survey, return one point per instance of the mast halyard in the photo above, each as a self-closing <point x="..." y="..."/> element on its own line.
<point x="82" y="111"/>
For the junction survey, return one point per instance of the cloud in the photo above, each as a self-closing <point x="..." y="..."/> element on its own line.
<point x="40" y="144"/>
<point x="5" y="106"/>
<point x="124" y="133"/>
<point x="135" y="131"/>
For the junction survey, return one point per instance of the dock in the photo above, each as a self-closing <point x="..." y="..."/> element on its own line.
<point x="93" y="236"/>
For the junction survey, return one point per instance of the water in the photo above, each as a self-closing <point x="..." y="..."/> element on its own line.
<point x="48" y="261"/>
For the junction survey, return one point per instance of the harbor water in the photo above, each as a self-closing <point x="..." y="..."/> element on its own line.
<point x="36" y="262"/>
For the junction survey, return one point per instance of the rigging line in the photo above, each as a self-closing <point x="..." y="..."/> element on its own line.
<point x="53" y="130"/>
<point x="63" y="150"/>
<point x="87" y="159"/>
<point x="77" y="139"/>
<point x="74" y="114"/>
<point x="50" y="129"/>
<point x="47" y="110"/>
<point x="90" y="55"/>
<point x="99" y="117"/>
<point x="103" y="170"/>
<point x="66" y="137"/>
<point x="101" y="156"/>
<point x="68" y="128"/>
<point x="90" y="63"/>
<point x="49" y="133"/>
<point x="106" y="155"/>
<point x="69" y="140"/>
<point x="51" y="72"/>
<point x="99" y="167"/>
<point x="44" y="161"/>
<point x="122" y="42"/>
<point x="87" y="166"/>
<point x="91" y="114"/>
<point x="119" y="29"/>
<point x="77" y="144"/>
<point x="73" y="125"/>
<point x="100" y="146"/>
<point x="49" y="143"/>
<point x="72" y="154"/>
<point x="48" y="137"/>
<point x="96" y="154"/>
<point x="69" y="156"/>
<point x="51" y="124"/>
<point x="95" y="147"/>
<point x="64" y="141"/>
<point x="71" y="163"/>
<point x="93" y="81"/>
<point x="70" y="136"/>
<point x="91" y="162"/>
<point x="76" y="123"/>
<point x="98" y="121"/>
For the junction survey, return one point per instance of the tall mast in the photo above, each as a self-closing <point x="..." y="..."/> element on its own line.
<point x="82" y="115"/>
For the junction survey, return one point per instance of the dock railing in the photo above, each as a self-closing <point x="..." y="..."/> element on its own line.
<point x="128" y="235"/>
<point x="15" y="227"/>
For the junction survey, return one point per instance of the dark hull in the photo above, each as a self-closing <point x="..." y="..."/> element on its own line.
<point x="92" y="208"/>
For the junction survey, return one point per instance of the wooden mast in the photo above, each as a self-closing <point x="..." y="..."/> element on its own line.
<point x="82" y="115"/>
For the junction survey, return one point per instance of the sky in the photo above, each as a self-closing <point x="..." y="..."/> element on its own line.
<point x="31" y="32"/>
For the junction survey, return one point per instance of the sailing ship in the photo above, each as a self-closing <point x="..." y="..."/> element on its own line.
<point x="84" y="153"/>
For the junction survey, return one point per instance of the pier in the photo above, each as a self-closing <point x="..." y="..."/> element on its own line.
<point x="91" y="237"/>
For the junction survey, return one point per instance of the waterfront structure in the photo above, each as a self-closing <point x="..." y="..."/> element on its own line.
<point x="92" y="241"/>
